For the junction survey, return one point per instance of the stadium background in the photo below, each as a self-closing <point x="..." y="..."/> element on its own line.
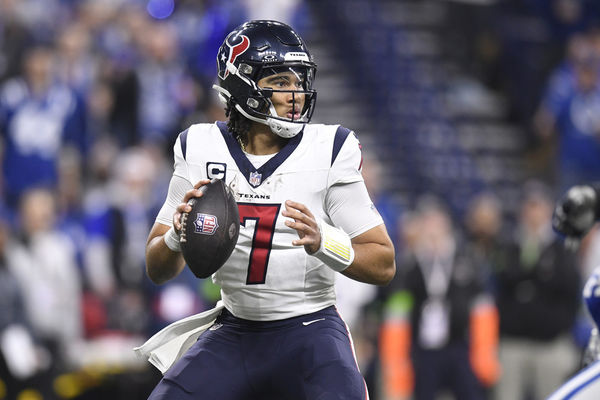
<point x="449" y="99"/>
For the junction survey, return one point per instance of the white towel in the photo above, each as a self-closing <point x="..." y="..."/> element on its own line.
<point x="169" y="344"/>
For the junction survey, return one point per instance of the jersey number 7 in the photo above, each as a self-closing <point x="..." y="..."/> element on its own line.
<point x="265" y="216"/>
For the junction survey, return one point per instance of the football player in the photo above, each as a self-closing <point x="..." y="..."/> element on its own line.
<point x="305" y="215"/>
<point x="575" y="214"/>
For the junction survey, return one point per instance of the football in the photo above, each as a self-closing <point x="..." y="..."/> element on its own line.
<point x="210" y="231"/>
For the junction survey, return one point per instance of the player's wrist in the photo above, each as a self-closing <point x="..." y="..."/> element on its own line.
<point x="171" y="238"/>
<point x="335" y="249"/>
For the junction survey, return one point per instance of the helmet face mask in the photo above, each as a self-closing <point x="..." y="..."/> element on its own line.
<point x="298" y="98"/>
<point x="257" y="50"/>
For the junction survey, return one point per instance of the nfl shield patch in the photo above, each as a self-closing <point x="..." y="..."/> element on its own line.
<point x="255" y="178"/>
<point x="206" y="224"/>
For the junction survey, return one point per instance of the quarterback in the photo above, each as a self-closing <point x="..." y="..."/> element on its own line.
<point x="305" y="215"/>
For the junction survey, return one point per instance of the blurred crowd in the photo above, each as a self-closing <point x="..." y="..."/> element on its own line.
<point x="567" y="120"/>
<point x="480" y="309"/>
<point x="92" y="96"/>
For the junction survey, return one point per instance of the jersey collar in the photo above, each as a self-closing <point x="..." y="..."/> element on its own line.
<point x="257" y="176"/>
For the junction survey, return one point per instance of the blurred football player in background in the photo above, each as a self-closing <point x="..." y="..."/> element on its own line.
<point x="305" y="214"/>
<point x="575" y="214"/>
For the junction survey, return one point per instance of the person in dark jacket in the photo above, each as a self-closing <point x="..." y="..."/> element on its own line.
<point x="538" y="298"/>
<point x="440" y="326"/>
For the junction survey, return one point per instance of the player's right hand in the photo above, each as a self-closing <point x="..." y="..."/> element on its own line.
<point x="575" y="212"/>
<point x="184" y="207"/>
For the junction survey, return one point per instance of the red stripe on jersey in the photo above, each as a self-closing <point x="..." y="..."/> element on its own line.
<point x="265" y="216"/>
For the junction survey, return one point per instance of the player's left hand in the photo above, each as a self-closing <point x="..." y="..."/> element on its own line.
<point x="305" y="224"/>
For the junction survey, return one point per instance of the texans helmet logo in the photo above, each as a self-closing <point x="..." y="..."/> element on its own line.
<point x="206" y="224"/>
<point x="234" y="51"/>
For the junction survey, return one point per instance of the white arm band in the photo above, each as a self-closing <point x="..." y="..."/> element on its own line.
<point x="171" y="238"/>
<point x="336" y="248"/>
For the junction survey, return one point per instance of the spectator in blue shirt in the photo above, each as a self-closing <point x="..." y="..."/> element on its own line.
<point x="38" y="118"/>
